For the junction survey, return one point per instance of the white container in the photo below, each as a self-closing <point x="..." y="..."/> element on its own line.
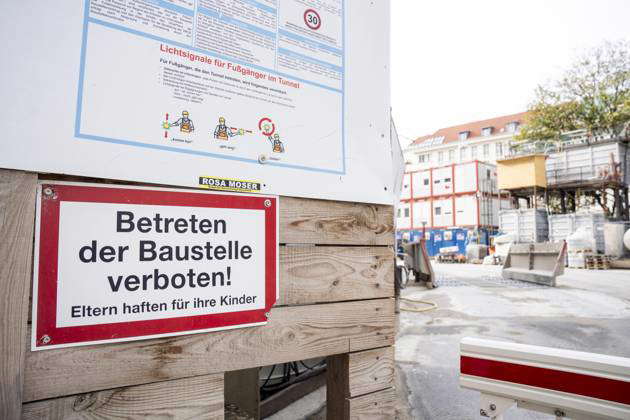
<point x="561" y="226"/>
<point x="421" y="184"/>
<point x="613" y="238"/>
<point x="526" y="225"/>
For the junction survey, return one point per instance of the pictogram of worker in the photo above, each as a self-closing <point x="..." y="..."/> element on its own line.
<point x="276" y="144"/>
<point x="185" y="124"/>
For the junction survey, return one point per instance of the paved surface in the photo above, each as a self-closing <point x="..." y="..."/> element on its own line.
<point x="587" y="311"/>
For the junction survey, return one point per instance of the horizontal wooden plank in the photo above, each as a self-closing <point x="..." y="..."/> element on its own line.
<point x="313" y="274"/>
<point x="293" y="333"/>
<point x="335" y="222"/>
<point x="200" y="397"/>
<point x="374" y="406"/>
<point x="370" y="371"/>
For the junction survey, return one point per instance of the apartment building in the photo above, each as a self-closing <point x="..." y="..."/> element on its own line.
<point x="449" y="188"/>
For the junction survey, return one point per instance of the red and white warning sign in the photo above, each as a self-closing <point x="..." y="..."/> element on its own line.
<point x="116" y="263"/>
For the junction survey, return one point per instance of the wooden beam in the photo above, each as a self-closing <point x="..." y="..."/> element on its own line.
<point x="17" y="213"/>
<point x="335" y="222"/>
<point x="370" y="371"/>
<point x="379" y="405"/>
<point x="293" y="333"/>
<point x="315" y="274"/>
<point x="242" y="391"/>
<point x="355" y="374"/>
<point x="200" y="397"/>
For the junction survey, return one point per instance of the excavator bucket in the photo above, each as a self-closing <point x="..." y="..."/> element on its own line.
<point x="536" y="263"/>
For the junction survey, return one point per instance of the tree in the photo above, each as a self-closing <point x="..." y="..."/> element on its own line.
<point x="593" y="95"/>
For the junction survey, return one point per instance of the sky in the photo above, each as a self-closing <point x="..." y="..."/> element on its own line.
<point x="457" y="61"/>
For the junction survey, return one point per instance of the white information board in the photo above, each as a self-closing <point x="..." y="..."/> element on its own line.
<point x="290" y="94"/>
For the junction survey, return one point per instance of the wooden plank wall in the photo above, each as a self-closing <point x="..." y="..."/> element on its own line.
<point x="336" y="298"/>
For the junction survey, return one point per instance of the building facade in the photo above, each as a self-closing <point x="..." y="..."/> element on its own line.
<point x="449" y="192"/>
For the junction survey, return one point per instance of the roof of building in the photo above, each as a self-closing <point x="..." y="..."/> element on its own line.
<point x="451" y="134"/>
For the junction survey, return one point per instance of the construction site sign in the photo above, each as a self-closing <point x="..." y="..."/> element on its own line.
<point x="177" y="91"/>
<point x="121" y="263"/>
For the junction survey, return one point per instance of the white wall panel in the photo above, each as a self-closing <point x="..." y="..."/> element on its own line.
<point x="421" y="184"/>
<point x="466" y="210"/>
<point x="443" y="180"/>
<point x="421" y="213"/>
<point x="465" y="178"/>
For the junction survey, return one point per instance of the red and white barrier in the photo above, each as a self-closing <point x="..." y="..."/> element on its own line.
<point x="564" y="383"/>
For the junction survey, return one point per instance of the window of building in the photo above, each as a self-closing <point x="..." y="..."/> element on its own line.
<point x="451" y="155"/>
<point x="407" y="212"/>
<point x="486" y="131"/>
<point x="488" y="173"/>
<point x="426" y="181"/>
<point x="399" y="213"/>
<point x="473" y="152"/>
<point x="498" y="149"/>
<point x="440" y="156"/>
<point x="421" y="158"/>
<point x="447" y="179"/>
<point x="463" y="153"/>
<point x="512" y="127"/>
<point x="463" y="135"/>
<point x="486" y="150"/>
<point x="437" y="181"/>
<point x="438" y="211"/>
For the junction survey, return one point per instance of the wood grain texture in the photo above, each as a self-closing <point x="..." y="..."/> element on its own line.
<point x="376" y="406"/>
<point x="370" y="371"/>
<point x="200" y="397"/>
<point x="17" y="214"/>
<point x="335" y="222"/>
<point x="293" y="333"/>
<point x="313" y="274"/>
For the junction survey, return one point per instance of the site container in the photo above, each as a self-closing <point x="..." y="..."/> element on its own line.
<point x="443" y="213"/>
<point x="405" y="192"/>
<point x="563" y="225"/>
<point x="459" y="237"/>
<point x="421" y="184"/>
<point x="589" y="161"/>
<point x="527" y="225"/>
<point x="422" y="213"/>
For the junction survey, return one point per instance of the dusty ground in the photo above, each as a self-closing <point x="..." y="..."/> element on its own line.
<point x="587" y="311"/>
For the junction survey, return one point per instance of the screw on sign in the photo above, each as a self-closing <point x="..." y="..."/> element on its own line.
<point x="312" y="19"/>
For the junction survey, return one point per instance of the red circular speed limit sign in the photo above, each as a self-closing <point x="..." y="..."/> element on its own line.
<point x="312" y="19"/>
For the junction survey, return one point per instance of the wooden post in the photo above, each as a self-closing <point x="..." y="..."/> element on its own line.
<point x="360" y="385"/>
<point x="242" y="392"/>
<point x="17" y="214"/>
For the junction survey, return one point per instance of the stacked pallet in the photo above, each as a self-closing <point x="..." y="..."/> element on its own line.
<point x="597" y="262"/>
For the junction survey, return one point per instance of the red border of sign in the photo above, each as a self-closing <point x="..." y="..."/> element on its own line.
<point x="45" y="314"/>
<point x="319" y="25"/>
